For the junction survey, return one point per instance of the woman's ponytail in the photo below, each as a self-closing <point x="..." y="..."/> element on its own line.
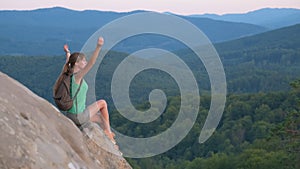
<point x="71" y="63"/>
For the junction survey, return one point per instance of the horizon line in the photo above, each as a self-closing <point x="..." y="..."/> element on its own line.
<point x="82" y="10"/>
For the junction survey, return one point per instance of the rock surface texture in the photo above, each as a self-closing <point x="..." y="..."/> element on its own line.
<point x="35" y="135"/>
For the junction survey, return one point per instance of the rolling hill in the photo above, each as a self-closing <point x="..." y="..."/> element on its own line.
<point x="285" y="39"/>
<point x="259" y="63"/>
<point x="264" y="62"/>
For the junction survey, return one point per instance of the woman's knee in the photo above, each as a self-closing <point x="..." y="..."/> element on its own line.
<point x="102" y="103"/>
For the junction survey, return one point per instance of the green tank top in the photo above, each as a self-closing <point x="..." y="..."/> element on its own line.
<point x="80" y="99"/>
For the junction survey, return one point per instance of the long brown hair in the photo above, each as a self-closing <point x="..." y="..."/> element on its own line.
<point x="68" y="68"/>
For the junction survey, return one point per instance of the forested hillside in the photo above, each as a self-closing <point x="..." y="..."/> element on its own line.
<point x="260" y="63"/>
<point x="257" y="131"/>
<point x="264" y="62"/>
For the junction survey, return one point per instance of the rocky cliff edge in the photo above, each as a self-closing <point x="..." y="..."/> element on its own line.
<point x="35" y="135"/>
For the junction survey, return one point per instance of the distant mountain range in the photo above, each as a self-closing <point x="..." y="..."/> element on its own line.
<point x="43" y="31"/>
<point x="268" y="17"/>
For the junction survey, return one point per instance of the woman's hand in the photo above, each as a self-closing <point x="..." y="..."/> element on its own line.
<point x="91" y="61"/>
<point x="66" y="48"/>
<point x="68" y="54"/>
<point x="100" y="41"/>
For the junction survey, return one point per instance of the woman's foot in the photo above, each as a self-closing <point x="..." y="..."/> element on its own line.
<point x="111" y="136"/>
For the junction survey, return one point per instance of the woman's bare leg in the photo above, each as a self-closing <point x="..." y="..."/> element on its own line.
<point x="102" y="118"/>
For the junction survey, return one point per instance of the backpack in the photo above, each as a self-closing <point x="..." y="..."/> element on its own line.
<point x="62" y="92"/>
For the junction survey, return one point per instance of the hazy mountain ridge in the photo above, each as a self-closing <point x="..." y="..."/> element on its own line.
<point x="42" y="31"/>
<point x="267" y="17"/>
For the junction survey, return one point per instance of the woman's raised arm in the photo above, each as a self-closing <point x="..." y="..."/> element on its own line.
<point x="92" y="60"/>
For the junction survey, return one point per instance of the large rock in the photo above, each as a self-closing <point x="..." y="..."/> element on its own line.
<point x="34" y="134"/>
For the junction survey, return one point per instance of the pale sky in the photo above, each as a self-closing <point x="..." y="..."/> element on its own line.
<point x="184" y="7"/>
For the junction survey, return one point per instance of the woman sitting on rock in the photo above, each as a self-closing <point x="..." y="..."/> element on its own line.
<point x="97" y="112"/>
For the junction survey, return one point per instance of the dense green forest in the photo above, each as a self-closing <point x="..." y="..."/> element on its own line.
<point x="257" y="131"/>
<point x="260" y="127"/>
